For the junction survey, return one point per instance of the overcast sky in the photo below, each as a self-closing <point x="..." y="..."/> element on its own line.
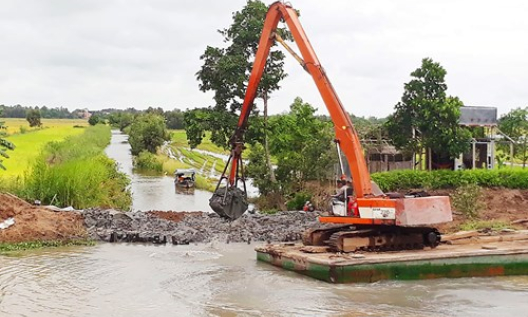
<point x="117" y="53"/>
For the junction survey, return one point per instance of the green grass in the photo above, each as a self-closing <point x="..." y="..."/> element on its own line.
<point x="179" y="139"/>
<point x="16" y="248"/>
<point x="29" y="145"/>
<point x="14" y="124"/>
<point x="484" y="224"/>
<point x="76" y="172"/>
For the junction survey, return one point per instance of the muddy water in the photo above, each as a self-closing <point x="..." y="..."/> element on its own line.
<point x="154" y="192"/>
<point x="219" y="279"/>
<point x="225" y="280"/>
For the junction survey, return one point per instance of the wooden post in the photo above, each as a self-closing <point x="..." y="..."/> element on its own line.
<point x="473" y="153"/>
<point x="430" y="159"/>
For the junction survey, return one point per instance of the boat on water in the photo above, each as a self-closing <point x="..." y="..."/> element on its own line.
<point x="184" y="178"/>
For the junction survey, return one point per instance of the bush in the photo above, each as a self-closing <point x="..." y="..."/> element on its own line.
<point x="443" y="179"/>
<point x="148" y="161"/>
<point x="298" y="201"/>
<point x="147" y="132"/>
<point x="467" y="200"/>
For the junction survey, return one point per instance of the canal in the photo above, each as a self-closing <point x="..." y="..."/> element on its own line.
<point x="218" y="279"/>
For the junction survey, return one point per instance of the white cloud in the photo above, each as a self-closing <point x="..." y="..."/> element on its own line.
<point x="117" y="53"/>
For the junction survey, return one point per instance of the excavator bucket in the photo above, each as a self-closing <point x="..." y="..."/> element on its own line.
<point x="230" y="205"/>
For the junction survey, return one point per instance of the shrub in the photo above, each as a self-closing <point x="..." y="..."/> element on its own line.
<point x="148" y="161"/>
<point x="441" y="179"/>
<point x="467" y="200"/>
<point x="298" y="201"/>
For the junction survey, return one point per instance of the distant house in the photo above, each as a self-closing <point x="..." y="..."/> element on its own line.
<point x="385" y="157"/>
<point x="481" y="151"/>
<point x="83" y="113"/>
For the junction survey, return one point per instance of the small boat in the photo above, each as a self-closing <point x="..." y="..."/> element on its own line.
<point x="184" y="178"/>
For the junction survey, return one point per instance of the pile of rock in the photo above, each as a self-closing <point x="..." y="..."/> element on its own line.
<point x="114" y="226"/>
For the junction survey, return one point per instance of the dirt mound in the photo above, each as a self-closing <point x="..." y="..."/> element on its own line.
<point x="174" y="216"/>
<point x="498" y="204"/>
<point x="34" y="223"/>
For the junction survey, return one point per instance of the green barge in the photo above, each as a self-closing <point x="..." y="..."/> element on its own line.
<point x="474" y="257"/>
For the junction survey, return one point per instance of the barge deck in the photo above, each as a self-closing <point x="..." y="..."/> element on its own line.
<point x="466" y="254"/>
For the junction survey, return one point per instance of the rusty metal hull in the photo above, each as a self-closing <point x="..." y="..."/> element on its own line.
<point x="446" y="261"/>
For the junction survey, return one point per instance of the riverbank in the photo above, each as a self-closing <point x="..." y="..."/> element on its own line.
<point x="33" y="223"/>
<point x="36" y="224"/>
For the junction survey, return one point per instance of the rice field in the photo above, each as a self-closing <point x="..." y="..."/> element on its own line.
<point x="179" y="139"/>
<point x="29" y="144"/>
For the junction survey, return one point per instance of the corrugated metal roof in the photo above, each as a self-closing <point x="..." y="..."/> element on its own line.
<point x="478" y="116"/>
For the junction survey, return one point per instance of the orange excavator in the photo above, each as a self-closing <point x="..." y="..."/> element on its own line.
<point x="377" y="221"/>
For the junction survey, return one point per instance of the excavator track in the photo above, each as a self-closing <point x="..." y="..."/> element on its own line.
<point x="374" y="238"/>
<point x="318" y="237"/>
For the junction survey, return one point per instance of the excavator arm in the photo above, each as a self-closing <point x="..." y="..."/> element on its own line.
<point x="346" y="134"/>
<point x="393" y="222"/>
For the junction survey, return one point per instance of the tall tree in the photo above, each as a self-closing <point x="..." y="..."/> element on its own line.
<point x="515" y="125"/>
<point x="426" y="117"/>
<point x="33" y="117"/>
<point x="4" y="144"/>
<point x="225" y="71"/>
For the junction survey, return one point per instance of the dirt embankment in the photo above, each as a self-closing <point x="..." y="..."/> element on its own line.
<point x="498" y="204"/>
<point x="34" y="223"/>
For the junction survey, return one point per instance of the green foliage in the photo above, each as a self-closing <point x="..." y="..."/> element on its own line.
<point x="425" y="107"/>
<point x="77" y="173"/>
<point x="301" y="144"/>
<point x="369" y="128"/>
<point x="23" y="129"/>
<point x="298" y="140"/>
<point x="259" y="171"/>
<point x="225" y="71"/>
<point x="11" y="248"/>
<point x="468" y="200"/>
<point x="408" y="179"/>
<point x="120" y="119"/>
<point x="515" y="125"/>
<point x="147" y="132"/>
<point x="94" y="119"/>
<point x="18" y="111"/>
<point x="298" y="201"/>
<point x="148" y="161"/>
<point x="33" y="117"/>
<point x="485" y="224"/>
<point x="218" y="122"/>
<point x="4" y="144"/>
<point x="174" y="119"/>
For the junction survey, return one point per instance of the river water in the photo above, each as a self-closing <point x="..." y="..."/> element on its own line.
<point x="218" y="279"/>
<point x="153" y="192"/>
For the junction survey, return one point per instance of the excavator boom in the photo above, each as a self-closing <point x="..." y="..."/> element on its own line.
<point x="386" y="223"/>
<point x="345" y="132"/>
